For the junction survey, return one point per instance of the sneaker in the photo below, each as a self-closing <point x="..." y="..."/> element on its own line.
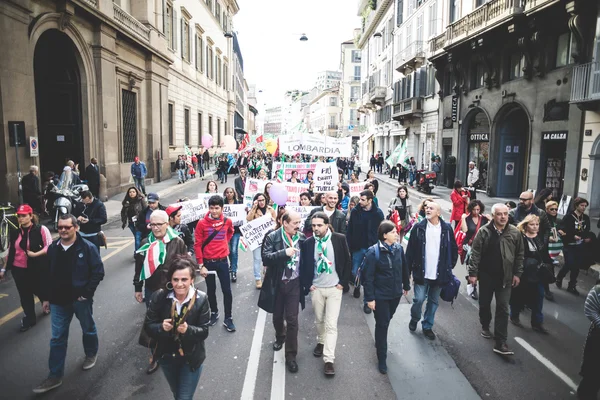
<point x="486" y="334"/>
<point x="89" y="362"/>
<point x="429" y="334"/>
<point x="213" y="318"/>
<point x="382" y="365"/>
<point x="549" y="296"/>
<point x="558" y="283"/>
<point x="233" y="277"/>
<point x="573" y="289"/>
<point x="152" y="368"/>
<point x="412" y="325"/>
<point x="366" y="309"/>
<point x="502" y="348"/>
<point x="356" y="292"/>
<point x="516" y="321"/>
<point x="228" y="324"/>
<point x="329" y="370"/>
<point x="539" y="328"/>
<point x="474" y="295"/>
<point x="47" y="385"/>
<point x="25" y="325"/>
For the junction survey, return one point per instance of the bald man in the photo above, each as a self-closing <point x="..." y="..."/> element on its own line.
<point x="281" y="256"/>
<point x="431" y="270"/>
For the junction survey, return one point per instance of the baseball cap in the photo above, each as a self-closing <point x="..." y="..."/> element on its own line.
<point x="152" y="197"/>
<point x="24" y="209"/>
<point x="171" y="210"/>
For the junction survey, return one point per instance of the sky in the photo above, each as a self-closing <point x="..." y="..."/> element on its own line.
<point x="275" y="59"/>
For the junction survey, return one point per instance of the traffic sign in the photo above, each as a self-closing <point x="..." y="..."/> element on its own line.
<point x="34" y="147"/>
<point x="350" y="128"/>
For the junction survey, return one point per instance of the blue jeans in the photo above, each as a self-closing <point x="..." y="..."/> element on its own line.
<point x="257" y="256"/>
<point x="412" y="177"/>
<point x="200" y="169"/>
<point x="181" y="175"/>
<point x="357" y="258"/>
<point x="182" y="379"/>
<point x="139" y="183"/>
<point x="138" y="239"/>
<point x="222" y="269"/>
<point x="432" y="293"/>
<point x="61" y="321"/>
<point x="233" y="251"/>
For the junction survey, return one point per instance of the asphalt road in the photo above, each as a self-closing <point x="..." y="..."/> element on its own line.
<point x="459" y="364"/>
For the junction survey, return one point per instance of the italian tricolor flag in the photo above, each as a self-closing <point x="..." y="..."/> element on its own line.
<point x="156" y="253"/>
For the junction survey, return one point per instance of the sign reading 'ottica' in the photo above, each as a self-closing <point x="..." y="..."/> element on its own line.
<point x="454" y="108"/>
<point x="479" y="137"/>
<point x="559" y="135"/>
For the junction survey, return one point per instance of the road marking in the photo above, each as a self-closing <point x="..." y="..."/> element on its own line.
<point x="19" y="310"/>
<point x="253" y="360"/>
<point x="278" y="377"/>
<point x="547" y="363"/>
<point x="3" y="295"/>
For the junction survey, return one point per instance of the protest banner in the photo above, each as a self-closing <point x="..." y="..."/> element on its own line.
<point x="206" y="196"/>
<point x="294" y="190"/>
<point x="303" y="211"/>
<point x="253" y="186"/>
<point x="315" y="145"/>
<point x="236" y="213"/>
<point x="356" y="188"/>
<point x="325" y="178"/>
<point x="192" y="210"/>
<point x="254" y="231"/>
<point x="288" y="167"/>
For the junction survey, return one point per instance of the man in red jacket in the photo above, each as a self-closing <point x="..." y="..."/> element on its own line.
<point x="212" y="235"/>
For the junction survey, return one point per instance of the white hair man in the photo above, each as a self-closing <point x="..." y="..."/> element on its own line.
<point x="472" y="179"/>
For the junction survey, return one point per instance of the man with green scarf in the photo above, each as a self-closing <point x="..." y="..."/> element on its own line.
<point x="325" y="269"/>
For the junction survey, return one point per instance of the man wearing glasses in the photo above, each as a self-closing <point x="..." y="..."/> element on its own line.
<point x="76" y="269"/>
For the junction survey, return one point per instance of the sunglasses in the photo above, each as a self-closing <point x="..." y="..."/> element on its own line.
<point x="64" y="227"/>
<point x="553" y="209"/>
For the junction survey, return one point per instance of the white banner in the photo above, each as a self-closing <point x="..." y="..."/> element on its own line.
<point x="236" y="213"/>
<point x="288" y="167"/>
<point x="356" y="188"/>
<point x="315" y="145"/>
<point x="325" y="178"/>
<point x="303" y="211"/>
<point x="206" y="196"/>
<point x="254" y="231"/>
<point x="253" y="186"/>
<point x="294" y="190"/>
<point x="192" y="210"/>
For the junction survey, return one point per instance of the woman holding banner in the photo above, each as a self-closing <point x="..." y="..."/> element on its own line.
<point x="231" y="198"/>
<point x="259" y="208"/>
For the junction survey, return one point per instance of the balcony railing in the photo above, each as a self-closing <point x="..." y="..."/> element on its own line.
<point x="330" y="126"/>
<point x="93" y="3"/>
<point x="408" y="108"/>
<point x="410" y="57"/>
<point x="437" y="43"/>
<point x="130" y="23"/>
<point x="377" y="94"/>
<point x="355" y="79"/>
<point x="532" y="5"/>
<point x="586" y="83"/>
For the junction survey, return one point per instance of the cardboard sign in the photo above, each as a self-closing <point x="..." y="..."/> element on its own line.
<point x="303" y="211"/>
<point x="192" y="210"/>
<point x="236" y="213"/>
<point x="207" y="196"/>
<point x="315" y="145"/>
<point x="254" y="231"/>
<point x="288" y="167"/>
<point x="356" y="188"/>
<point x="294" y="190"/>
<point x="325" y="178"/>
<point x="253" y="186"/>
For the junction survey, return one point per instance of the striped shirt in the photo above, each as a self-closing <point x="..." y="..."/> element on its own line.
<point x="592" y="306"/>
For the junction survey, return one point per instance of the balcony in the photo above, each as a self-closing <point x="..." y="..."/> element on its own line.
<point x="407" y="109"/>
<point x="586" y="83"/>
<point x="371" y="18"/>
<point x="410" y="58"/>
<point x="334" y="127"/>
<point x="355" y="79"/>
<point x="130" y="23"/>
<point x="377" y="94"/>
<point x="436" y="45"/>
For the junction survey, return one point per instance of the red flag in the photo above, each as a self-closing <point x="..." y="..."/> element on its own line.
<point x="259" y="139"/>
<point x="244" y="143"/>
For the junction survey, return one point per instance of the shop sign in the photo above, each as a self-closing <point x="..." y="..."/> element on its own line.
<point x="446" y="141"/>
<point x="479" y="137"/>
<point x="454" y="108"/>
<point x="552" y="136"/>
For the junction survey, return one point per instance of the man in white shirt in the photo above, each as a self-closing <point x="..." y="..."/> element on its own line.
<point x="472" y="178"/>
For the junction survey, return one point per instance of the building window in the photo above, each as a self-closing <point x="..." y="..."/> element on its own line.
<point x="199" y="53"/>
<point x="453" y="15"/>
<point x="432" y="20"/>
<point x="225" y="76"/>
<point x="430" y="81"/>
<point x="129" y="125"/>
<point x="210" y="66"/>
<point x="563" y="50"/>
<point x="225" y="128"/>
<point x="186" y="125"/>
<point x="199" y="128"/>
<point x="217" y="10"/>
<point x="354" y="93"/>
<point x="219" y="72"/>
<point x="479" y="76"/>
<point x="516" y="64"/>
<point x="171" y="122"/>
<point x="419" y="31"/>
<point x="210" y="127"/>
<point x="357" y="73"/>
<point x="479" y="3"/>
<point x="219" y="131"/>
<point x="333" y="101"/>
<point x="185" y="39"/>
<point x="449" y="83"/>
<point x="356" y="56"/>
<point x="224" y="21"/>
<point x="332" y="122"/>
<point x="399" y="12"/>
<point x="353" y="117"/>
<point x="169" y="24"/>
<point x="209" y="3"/>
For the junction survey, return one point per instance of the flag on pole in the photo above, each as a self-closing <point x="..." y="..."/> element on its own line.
<point x="393" y="158"/>
<point x="259" y="139"/>
<point x="245" y="142"/>
<point x="188" y="155"/>
<point x="243" y="246"/>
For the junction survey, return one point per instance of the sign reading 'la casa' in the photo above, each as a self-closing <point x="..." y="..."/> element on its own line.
<point x="559" y="135"/>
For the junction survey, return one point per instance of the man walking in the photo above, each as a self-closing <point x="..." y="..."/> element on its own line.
<point x="431" y="255"/>
<point x="76" y="269"/>
<point x="472" y="180"/>
<point x="497" y="262"/>
<point x="92" y="175"/>
<point x="206" y="159"/>
<point x="32" y="193"/>
<point x="212" y="236"/>
<point x="281" y="256"/>
<point x="142" y="224"/>
<point x="335" y="216"/>
<point x="181" y="168"/>
<point x="412" y="171"/>
<point x="240" y="184"/>
<point x="325" y="271"/>
<point x="91" y="215"/>
<point x="139" y="172"/>
<point x="362" y="233"/>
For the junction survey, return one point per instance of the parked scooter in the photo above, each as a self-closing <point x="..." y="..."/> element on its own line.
<point x="426" y="181"/>
<point x="65" y="200"/>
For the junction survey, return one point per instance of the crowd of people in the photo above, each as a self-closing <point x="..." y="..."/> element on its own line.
<point x="347" y="242"/>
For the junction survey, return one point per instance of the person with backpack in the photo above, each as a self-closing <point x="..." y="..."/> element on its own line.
<point x="385" y="277"/>
<point x="431" y="255"/>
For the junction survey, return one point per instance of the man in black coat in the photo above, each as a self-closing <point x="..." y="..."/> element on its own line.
<point x="240" y="183"/>
<point x="336" y="217"/>
<point x="92" y="174"/>
<point x="281" y="290"/>
<point x="243" y="161"/>
<point x="325" y="269"/>
<point x="91" y="215"/>
<point x="32" y="193"/>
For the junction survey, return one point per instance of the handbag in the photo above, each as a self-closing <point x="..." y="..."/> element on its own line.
<point x="266" y="297"/>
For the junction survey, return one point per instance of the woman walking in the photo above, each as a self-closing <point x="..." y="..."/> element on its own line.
<point x="259" y="208"/>
<point x="401" y="204"/>
<point x="460" y="200"/>
<point x="28" y="262"/>
<point x="132" y="205"/>
<point x="371" y="179"/>
<point x="386" y="279"/>
<point x="178" y="320"/>
<point x="231" y="198"/>
<point x="470" y="224"/>
<point x="555" y="243"/>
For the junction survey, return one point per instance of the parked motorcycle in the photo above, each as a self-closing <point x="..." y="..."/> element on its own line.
<point x="426" y="181"/>
<point x="64" y="201"/>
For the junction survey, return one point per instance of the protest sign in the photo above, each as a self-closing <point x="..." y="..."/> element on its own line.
<point x="325" y="178"/>
<point x="206" y="196"/>
<point x="236" y="213"/>
<point x="294" y="190"/>
<point x="288" y="167"/>
<point x="254" y="231"/>
<point x="356" y="188"/>
<point x="303" y="211"/>
<point x="315" y="145"/>
<point x="253" y="186"/>
<point x="192" y="210"/>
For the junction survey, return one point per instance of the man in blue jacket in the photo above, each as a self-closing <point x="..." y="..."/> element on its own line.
<point x="139" y="172"/>
<point x="362" y="233"/>
<point x="76" y="270"/>
<point x="431" y="255"/>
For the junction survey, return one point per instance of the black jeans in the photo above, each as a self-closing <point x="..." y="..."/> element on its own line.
<point x="573" y="260"/>
<point x="384" y="312"/>
<point x="287" y="308"/>
<point x="488" y="287"/>
<point x="28" y="282"/>
<point x="222" y="269"/>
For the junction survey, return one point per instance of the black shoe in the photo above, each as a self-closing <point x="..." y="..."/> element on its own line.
<point x="278" y="345"/>
<point x="382" y="365"/>
<point x="233" y="277"/>
<point x="540" y="329"/>
<point x="549" y="295"/>
<point x="412" y="325"/>
<point x="558" y="283"/>
<point x="516" y="321"/>
<point x="346" y="289"/>
<point x="573" y="289"/>
<point x="486" y="334"/>
<point x="152" y="368"/>
<point x="502" y="348"/>
<point x="356" y="292"/>
<point x="292" y="366"/>
<point x="318" y="351"/>
<point x="474" y="295"/>
<point x="429" y="334"/>
<point x="25" y="325"/>
<point x="366" y="309"/>
<point x="328" y="369"/>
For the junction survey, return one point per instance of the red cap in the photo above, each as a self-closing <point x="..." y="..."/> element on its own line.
<point x="24" y="209"/>
<point x="171" y="210"/>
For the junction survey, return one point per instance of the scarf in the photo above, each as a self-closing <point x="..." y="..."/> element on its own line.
<point x="156" y="253"/>
<point x="291" y="242"/>
<point x="323" y="265"/>
<point x="25" y="238"/>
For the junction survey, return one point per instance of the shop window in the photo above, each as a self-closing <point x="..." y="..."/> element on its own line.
<point x="563" y="50"/>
